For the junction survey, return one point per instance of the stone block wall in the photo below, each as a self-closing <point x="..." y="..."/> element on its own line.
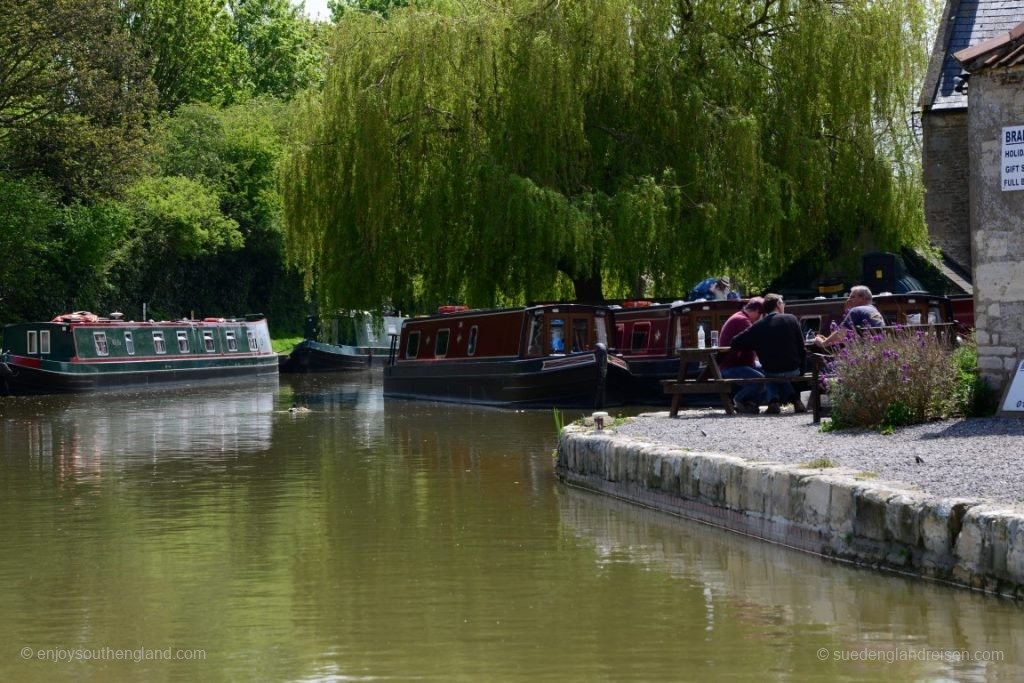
<point x="832" y="512"/>
<point x="945" y="166"/>
<point x="997" y="224"/>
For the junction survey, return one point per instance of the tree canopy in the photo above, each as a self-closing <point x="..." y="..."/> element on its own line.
<point x="494" y="151"/>
<point x="139" y="143"/>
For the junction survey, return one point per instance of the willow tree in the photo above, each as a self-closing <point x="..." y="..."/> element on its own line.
<point x="487" y="151"/>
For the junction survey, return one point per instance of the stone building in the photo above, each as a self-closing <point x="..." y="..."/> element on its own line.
<point x="995" y="152"/>
<point x="944" y="122"/>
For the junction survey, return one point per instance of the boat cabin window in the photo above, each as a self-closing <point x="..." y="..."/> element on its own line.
<point x="32" y="342"/>
<point x="620" y="335"/>
<point x="44" y="341"/>
<point x="251" y="338"/>
<point x="679" y="333"/>
<point x="641" y="333"/>
<point x="441" y="344"/>
<point x="536" y="345"/>
<point x="602" y="330"/>
<point x="158" y="342"/>
<point x="471" y="344"/>
<point x="100" y="340"/>
<point x="557" y="336"/>
<point x="182" y="341"/>
<point x="413" y="347"/>
<point x="232" y="342"/>
<point x="934" y="316"/>
<point x="580" y="336"/>
<point x="129" y="343"/>
<point x="208" y="340"/>
<point x="704" y="320"/>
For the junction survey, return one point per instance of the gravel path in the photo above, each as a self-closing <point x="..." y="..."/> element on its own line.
<point x="973" y="458"/>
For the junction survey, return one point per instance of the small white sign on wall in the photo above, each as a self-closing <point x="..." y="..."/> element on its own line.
<point x="1012" y="158"/>
<point x="1013" y="400"/>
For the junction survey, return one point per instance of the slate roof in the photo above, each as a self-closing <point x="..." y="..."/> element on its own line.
<point x="1005" y="50"/>
<point x="965" y="23"/>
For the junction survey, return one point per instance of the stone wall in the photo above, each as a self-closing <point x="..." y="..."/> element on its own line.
<point x="997" y="225"/>
<point x="946" y="203"/>
<point x="834" y="512"/>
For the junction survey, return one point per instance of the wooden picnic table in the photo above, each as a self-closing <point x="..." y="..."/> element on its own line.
<point x="709" y="379"/>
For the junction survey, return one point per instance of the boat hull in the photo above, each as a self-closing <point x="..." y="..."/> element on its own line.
<point x="30" y="376"/>
<point x="311" y="356"/>
<point x="583" y="380"/>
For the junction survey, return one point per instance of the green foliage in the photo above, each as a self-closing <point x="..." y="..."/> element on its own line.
<point x="559" y="420"/>
<point x="381" y="7"/>
<point x="284" y="50"/>
<point x="74" y="96"/>
<point x="973" y="395"/>
<point x="190" y="47"/>
<point x="893" y="379"/>
<point x="181" y="216"/>
<point x="285" y="344"/>
<point x="27" y="214"/>
<point x="484" y="151"/>
<point x="107" y="202"/>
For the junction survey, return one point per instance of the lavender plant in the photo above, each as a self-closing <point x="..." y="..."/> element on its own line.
<point x="902" y="376"/>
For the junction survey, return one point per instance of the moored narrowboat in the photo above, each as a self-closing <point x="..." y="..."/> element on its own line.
<point x="912" y="308"/>
<point x="313" y="356"/>
<point x="82" y="352"/>
<point x="649" y="336"/>
<point x="551" y="355"/>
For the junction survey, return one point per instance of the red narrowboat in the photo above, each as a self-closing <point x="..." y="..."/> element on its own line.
<point x="649" y="336"/>
<point x="550" y="355"/>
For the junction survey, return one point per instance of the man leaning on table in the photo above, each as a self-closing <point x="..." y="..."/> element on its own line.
<point x="779" y="343"/>
<point x="860" y="313"/>
<point x="736" y="364"/>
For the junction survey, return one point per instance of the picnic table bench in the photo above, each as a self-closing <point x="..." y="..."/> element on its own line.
<point x="710" y="381"/>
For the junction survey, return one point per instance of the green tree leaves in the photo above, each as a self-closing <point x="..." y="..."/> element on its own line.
<point x="182" y="215"/>
<point x="486" y="151"/>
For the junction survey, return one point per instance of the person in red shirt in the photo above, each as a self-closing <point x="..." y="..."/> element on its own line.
<point x="736" y="364"/>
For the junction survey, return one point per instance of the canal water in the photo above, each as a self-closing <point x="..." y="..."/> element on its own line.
<point x="364" y="539"/>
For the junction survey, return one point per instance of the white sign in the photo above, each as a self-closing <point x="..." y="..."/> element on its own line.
<point x="1012" y="158"/>
<point x="1013" y="402"/>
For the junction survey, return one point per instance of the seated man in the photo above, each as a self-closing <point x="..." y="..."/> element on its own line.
<point x="860" y="313"/>
<point x="779" y="343"/>
<point x="736" y="364"/>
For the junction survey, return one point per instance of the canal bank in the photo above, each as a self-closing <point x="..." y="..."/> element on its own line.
<point x="815" y="503"/>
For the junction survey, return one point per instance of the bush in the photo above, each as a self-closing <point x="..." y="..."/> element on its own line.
<point x="974" y="396"/>
<point x="892" y="379"/>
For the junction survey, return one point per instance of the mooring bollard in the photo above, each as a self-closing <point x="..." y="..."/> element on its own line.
<point x="599" y="418"/>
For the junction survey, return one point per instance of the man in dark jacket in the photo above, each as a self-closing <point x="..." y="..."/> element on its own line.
<point x="779" y="344"/>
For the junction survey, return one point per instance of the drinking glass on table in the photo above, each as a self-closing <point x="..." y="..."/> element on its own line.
<point x="714" y="338"/>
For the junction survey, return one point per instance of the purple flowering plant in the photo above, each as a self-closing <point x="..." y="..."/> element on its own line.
<point x="889" y="379"/>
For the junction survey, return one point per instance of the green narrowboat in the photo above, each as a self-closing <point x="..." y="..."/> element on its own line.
<point x="81" y="352"/>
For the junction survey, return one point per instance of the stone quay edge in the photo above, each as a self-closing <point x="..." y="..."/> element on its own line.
<point x="835" y="512"/>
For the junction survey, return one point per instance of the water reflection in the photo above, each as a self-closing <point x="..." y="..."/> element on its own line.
<point x="80" y="436"/>
<point x="365" y="538"/>
<point x="797" y="603"/>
